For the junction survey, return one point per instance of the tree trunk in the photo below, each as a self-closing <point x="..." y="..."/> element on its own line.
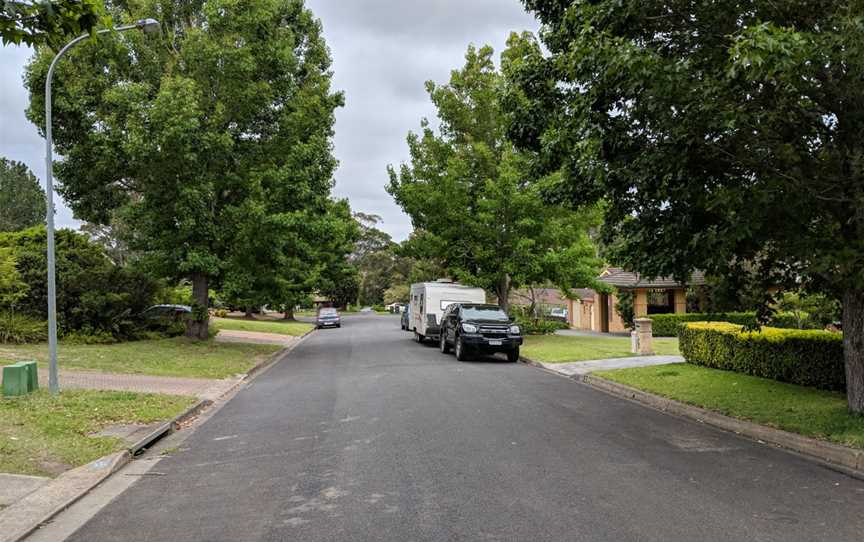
<point x="853" y="348"/>
<point x="504" y="293"/>
<point x="249" y="315"/>
<point x="197" y="328"/>
<point x="289" y="314"/>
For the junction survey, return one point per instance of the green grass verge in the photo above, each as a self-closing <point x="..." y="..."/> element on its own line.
<point x="807" y="411"/>
<point x="165" y="357"/>
<point x="564" y="348"/>
<point x="279" y="327"/>
<point x="43" y="435"/>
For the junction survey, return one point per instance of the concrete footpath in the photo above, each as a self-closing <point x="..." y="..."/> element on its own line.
<point x="579" y="368"/>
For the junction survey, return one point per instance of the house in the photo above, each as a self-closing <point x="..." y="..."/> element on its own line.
<point x="594" y="311"/>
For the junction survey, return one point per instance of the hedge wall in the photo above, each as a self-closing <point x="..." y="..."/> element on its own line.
<point x="803" y="357"/>
<point x="666" y="325"/>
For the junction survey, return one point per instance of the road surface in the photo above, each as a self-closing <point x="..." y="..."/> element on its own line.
<point x="363" y="435"/>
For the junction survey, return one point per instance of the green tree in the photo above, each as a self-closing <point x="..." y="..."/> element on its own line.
<point x="22" y="200"/>
<point x="12" y="288"/>
<point x="722" y="134"/>
<point x="474" y="198"/>
<point x="375" y="258"/>
<point x="36" y="22"/>
<point x="212" y="136"/>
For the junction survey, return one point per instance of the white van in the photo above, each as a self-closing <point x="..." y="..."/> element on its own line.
<point x="428" y="301"/>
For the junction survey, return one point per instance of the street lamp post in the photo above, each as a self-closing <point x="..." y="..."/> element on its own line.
<point x="149" y="26"/>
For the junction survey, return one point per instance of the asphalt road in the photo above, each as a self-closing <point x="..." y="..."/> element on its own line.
<point x="361" y="434"/>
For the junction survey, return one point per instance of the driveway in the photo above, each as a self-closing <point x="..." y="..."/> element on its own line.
<point x="361" y="434"/>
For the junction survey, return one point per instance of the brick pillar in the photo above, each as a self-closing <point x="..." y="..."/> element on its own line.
<point x="644" y="336"/>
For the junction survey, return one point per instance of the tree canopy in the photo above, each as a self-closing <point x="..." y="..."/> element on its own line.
<point x="22" y="199"/>
<point x="211" y="142"/>
<point x="473" y="199"/>
<point x="724" y="136"/>
<point x="37" y="22"/>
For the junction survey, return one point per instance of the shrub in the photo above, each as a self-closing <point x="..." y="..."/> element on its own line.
<point x="21" y="329"/>
<point x="220" y="313"/>
<point x="89" y="336"/>
<point x="667" y="325"/>
<point x="803" y="357"/>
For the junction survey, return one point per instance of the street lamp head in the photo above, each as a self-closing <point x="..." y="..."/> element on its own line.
<point x="149" y="26"/>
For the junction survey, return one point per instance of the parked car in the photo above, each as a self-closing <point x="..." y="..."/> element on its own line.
<point x="479" y="328"/>
<point x="558" y="313"/>
<point x="406" y="318"/>
<point x="166" y="312"/>
<point x="328" y="317"/>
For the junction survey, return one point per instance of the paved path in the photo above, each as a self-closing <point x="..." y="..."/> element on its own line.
<point x="363" y="435"/>
<point x="584" y="367"/>
<point x="195" y="387"/>
<point x="14" y="487"/>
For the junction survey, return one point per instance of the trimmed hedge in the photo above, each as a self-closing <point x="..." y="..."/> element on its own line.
<point x="666" y="325"/>
<point x="803" y="357"/>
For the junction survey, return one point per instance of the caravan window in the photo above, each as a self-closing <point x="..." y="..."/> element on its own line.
<point x="445" y="304"/>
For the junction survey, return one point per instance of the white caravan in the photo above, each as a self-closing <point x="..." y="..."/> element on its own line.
<point x="428" y="301"/>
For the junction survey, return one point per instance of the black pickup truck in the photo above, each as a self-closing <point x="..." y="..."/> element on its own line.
<point x="474" y="328"/>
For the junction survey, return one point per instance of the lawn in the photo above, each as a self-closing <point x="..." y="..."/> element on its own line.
<point x="42" y="435"/>
<point x="280" y="327"/>
<point x="164" y="357"/>
<point x="564" y="348"/>
<point x="807" y="411"/>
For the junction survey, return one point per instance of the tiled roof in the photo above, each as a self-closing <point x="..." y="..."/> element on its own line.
<point x="625" y="279"/>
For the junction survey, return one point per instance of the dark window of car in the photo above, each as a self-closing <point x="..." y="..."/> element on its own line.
<point x="484" y="313"/>
<point x="327" y="312"/>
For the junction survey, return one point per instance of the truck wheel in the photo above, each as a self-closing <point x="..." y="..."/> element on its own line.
<point x="513" y="355"/>
<point x="445" y="348"/>
<point x="461" y="353"/>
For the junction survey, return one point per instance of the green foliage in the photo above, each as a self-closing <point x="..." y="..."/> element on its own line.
<point x="211" y="142"/>
<point x="93" y="294"/>
<point x="12" y="288"/>
<point x="668" y="325"/>
<point x="724" y="136"/>
<point x="809" y="310"/>
<point x="21" y="329"/>
<point x="474" y="199"/>
<point x="398" y="293"/>
<point x="22" y="199"/>
<point x="51" y="22"/>
<point x="626" y="310"/>
<point x="806" y="358"/>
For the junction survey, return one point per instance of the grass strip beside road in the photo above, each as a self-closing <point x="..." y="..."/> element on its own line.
<point x="178" y="357"/>
<point x="565" y="348"/>
<point x="798" y="409"/>
<point x="43" y="435"/>
<point x="279" y="327"/>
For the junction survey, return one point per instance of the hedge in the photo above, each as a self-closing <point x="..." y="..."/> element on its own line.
<point x="666" y="325"/>
<point x="803" y="357"/>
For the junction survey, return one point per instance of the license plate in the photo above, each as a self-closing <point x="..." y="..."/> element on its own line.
<point x="495" y="343"/>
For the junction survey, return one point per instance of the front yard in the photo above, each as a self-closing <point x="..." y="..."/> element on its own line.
<point x="564" y="348"/>
<point x="42" y="435"/>
<point x="163" y="357"/>
<point x="803" y="410"/>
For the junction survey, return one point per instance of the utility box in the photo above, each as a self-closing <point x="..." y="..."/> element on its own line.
<point x="20" y="379"/>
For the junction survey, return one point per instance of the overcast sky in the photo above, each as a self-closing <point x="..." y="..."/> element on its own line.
<point x="383" y="52"/>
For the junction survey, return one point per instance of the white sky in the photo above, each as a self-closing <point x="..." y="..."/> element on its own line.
<point x="383" y="52"/>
